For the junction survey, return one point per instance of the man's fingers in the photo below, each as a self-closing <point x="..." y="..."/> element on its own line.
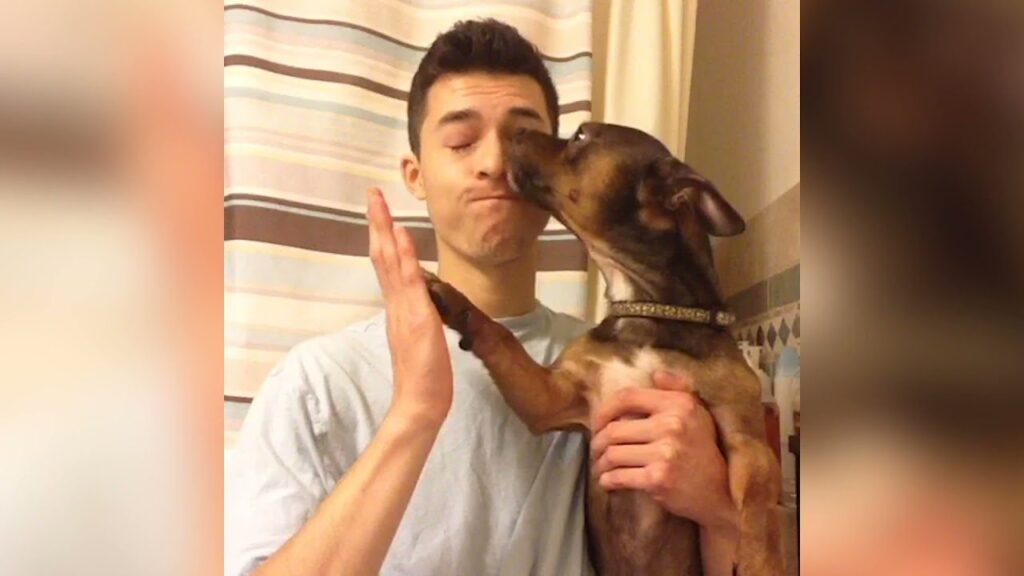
<point x="681" y="382"/>
<point x="625" y="479"/>
<point x="629" y="455"/>
<point x="374" y="249"/>
<point x="409" y="264"/>
<point x="383" y="252"/>
<point x="623" y="432"/>
<point x="630" y="401"/>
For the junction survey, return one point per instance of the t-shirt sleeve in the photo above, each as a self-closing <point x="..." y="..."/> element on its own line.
<point x="275" y="477"/>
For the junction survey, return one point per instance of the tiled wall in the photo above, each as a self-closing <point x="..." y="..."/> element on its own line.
<point x="760" y="275"/>
<point x="772" y="331"/>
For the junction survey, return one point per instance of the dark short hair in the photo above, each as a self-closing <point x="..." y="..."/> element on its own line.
<point x="477" y="46"/>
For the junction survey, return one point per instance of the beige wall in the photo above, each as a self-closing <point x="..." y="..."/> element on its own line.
<point x="744" y="118"/>
<point x="744" y="133"/>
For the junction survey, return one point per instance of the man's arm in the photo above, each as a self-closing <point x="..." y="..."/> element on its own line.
<point x="354" y="526"/>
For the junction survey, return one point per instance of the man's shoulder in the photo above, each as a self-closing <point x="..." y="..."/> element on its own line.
<point x="567" y="327"/>
<point x="342" y="346"/>
<point x="326" y="370"/>
<point x="338" y="354"/>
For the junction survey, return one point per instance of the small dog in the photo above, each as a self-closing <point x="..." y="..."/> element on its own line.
<point x="645" y="218"/>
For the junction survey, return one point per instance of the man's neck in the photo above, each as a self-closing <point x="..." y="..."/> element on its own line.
<point x="501" y="291"/>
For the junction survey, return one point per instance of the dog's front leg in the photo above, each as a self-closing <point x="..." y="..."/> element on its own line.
<point x="545" y="399"/>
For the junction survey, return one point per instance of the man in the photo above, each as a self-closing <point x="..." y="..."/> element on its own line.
<point x="384" y="448"/>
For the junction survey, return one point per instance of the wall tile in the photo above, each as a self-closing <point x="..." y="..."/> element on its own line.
<point x="784" y="288"/>
<point x="770" y="245"/>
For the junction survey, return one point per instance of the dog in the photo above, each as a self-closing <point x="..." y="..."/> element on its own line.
<point x="645" y="218"/>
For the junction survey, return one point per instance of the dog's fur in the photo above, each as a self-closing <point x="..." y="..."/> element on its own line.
<point x="645" y="218"/>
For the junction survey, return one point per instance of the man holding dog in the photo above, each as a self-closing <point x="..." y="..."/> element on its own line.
<point x="385" y="448"/>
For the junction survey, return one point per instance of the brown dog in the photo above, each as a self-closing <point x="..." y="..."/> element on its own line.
<point x="645" y="218"/>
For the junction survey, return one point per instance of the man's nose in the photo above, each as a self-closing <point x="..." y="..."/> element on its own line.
<point x="491" y="161"/>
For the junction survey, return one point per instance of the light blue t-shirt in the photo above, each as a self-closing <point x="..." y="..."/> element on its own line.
<point x="493" y="499"/>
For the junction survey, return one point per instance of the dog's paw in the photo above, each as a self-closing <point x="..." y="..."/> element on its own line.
<point x="452" y="306"/>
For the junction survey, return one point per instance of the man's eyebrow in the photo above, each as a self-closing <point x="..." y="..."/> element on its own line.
<point x="473" y="115"/>
<point x="524" y="112"/>
<point x="455" y="116"/>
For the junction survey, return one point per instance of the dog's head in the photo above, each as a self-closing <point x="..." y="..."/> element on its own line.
<point x="641" y="212"/>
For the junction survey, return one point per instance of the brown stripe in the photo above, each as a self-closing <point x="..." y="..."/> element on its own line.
<point x="331" y="236"/>
<point x="578" y="106"/>
<point x="318" y="208"/>
<point x="558" y="255"/>
<point x="242" y="399"/>
<point x="352" y="79"/>
<point x="310" y="74"/>
<point x="347" y="213"/>
<point x="376" y="33"/>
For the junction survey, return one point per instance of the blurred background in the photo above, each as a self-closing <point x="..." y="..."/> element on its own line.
<point x="914" y="257"/>
<point x="110" y="296"/>
<point x="906" y="267"/>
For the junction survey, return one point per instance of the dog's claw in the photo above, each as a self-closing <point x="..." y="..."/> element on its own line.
<point x="453" y="317"/>
<point x="435" y="296"/>
<point x="442" y="308"/>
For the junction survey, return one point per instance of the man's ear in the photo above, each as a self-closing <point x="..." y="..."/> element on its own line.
<point x="682" y="184"/>
<point x="413" y="176"/>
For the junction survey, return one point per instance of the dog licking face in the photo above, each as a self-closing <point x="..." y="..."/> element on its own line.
<point x="639" y="210"/>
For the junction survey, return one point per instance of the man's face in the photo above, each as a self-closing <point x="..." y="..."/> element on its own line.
<point x="461" y="171"/>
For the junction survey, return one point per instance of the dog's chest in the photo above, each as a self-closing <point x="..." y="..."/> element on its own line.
<point x="616" y="373"/>
<point x="634" y="534"/>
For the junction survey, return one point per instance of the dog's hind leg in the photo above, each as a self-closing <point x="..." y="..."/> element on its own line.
<point x="754" y="478"/>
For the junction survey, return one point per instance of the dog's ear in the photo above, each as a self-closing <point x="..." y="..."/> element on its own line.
<point x="681" y="184"/>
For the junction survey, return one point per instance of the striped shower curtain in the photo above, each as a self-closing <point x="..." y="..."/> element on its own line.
<point x="314" y="115"/>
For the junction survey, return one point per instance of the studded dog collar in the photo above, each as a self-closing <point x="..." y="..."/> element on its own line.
<point x="670" y="312"/>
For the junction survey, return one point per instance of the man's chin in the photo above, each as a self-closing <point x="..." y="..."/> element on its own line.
<point x="495" y="242"/>
<point x="502" y="252"/>
<point x="496" y="249"/>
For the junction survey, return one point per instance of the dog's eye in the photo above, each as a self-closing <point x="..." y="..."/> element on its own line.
<point x="578" y="136"/>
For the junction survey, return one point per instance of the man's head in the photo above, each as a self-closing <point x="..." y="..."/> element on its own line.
<point x="477" y="46"/>
<point x="473" y="78"/>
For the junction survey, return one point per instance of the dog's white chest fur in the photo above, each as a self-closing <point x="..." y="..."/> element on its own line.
<point x="614" y="375"/>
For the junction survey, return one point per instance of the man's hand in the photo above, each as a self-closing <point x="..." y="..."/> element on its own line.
<point x="419" y="353"/>
<point x="662" y="441"/>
